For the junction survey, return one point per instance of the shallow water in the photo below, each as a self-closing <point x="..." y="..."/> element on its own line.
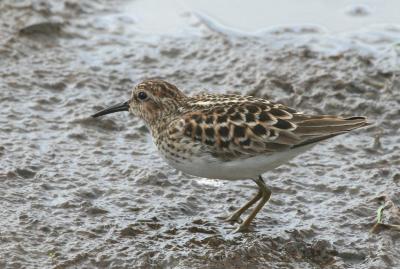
<point x="77" y="192"/>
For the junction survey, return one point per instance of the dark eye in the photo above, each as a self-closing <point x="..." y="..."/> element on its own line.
<point x="142" y="95"/>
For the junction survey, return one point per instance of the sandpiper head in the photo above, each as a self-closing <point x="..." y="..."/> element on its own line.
<point x="150" y="100"/>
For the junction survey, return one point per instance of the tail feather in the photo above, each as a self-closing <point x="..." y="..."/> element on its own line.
<point x="314" y="129"/>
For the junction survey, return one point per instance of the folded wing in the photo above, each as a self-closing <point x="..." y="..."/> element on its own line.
<point x="235" y="126"/>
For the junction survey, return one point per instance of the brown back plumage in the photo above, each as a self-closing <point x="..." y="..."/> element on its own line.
<point x="234" y="126"/>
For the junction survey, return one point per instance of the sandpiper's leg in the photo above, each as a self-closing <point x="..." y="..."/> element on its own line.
<point x="236" y="215"/>
<point x="265" y="195"/>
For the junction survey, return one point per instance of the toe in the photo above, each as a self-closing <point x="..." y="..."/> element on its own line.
<point x="242" y="229"/>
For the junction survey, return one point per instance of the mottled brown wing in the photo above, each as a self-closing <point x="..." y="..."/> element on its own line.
<point x="234" y="126"/>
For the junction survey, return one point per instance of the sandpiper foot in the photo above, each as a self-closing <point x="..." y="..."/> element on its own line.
<point x="242" y="228"/>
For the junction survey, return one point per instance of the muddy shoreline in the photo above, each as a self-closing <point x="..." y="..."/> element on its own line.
<point x="77" y="192"/>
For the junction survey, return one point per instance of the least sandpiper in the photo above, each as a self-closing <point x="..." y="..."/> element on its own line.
<point x="228" y="136"/>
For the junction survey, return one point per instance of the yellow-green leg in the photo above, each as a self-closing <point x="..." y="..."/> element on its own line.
<point x="265" y="195"/>
<point x="235" y="217"/>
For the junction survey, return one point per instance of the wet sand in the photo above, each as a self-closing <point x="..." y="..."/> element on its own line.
<point x="77" y="192"/>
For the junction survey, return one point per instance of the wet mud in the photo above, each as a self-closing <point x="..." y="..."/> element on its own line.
<point x="77" y="192"/>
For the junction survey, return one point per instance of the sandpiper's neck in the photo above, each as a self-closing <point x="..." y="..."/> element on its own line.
<point x="164" y="119"/>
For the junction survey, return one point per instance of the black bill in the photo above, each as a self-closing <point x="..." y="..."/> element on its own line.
<point x="112" y="109"/>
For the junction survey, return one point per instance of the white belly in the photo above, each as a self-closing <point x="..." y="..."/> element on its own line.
<point x="238" y="169"/>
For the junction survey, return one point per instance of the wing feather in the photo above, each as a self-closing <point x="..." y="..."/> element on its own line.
<point x="231" y="126"/>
